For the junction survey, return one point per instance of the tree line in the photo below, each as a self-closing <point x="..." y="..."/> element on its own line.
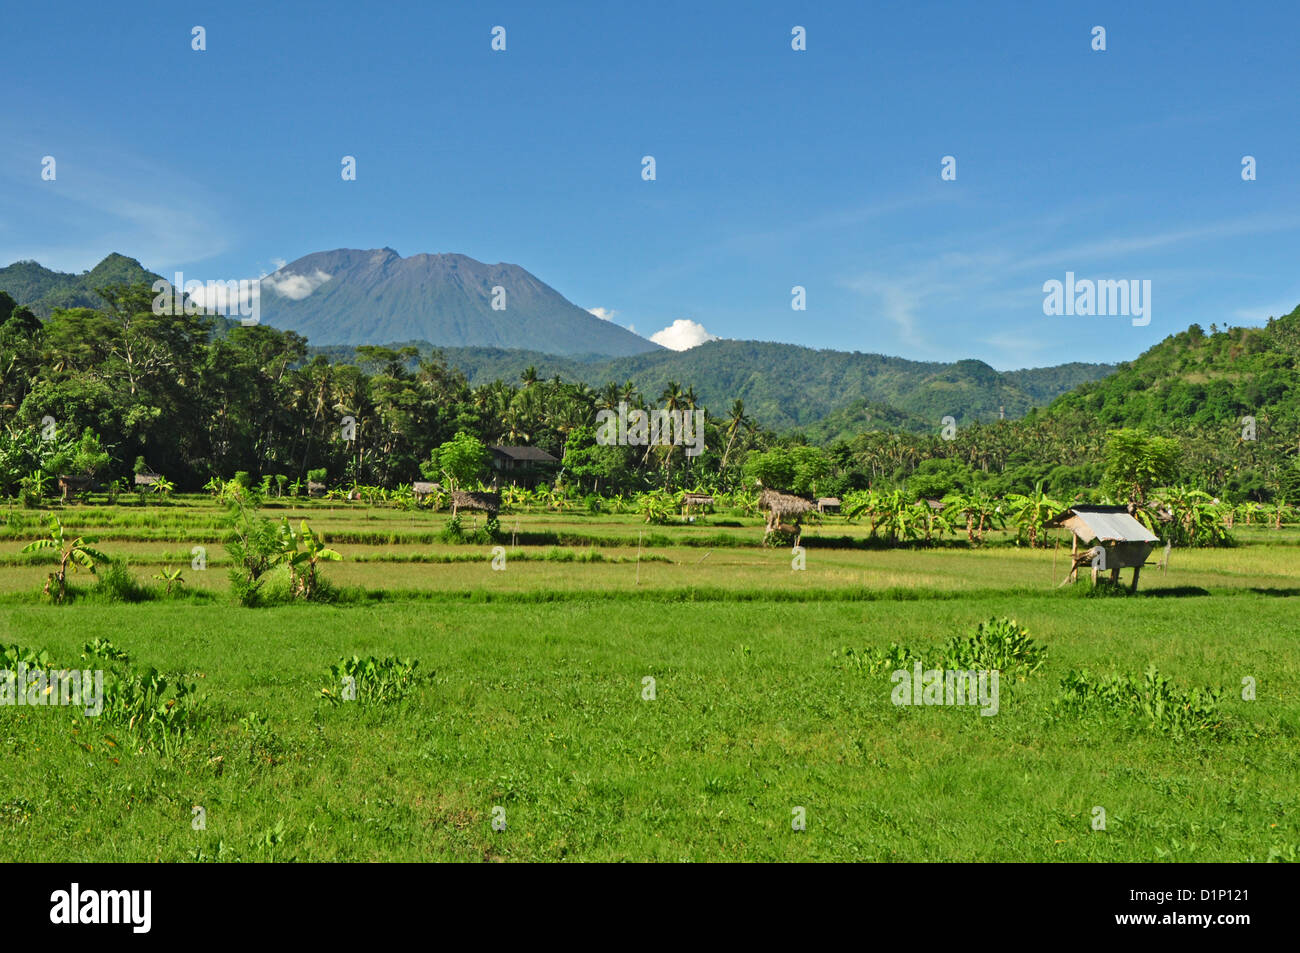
<point x="110" y="390"/>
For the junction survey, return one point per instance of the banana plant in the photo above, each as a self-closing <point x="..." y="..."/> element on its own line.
<point x="172" y="577"/>
<point x="1031" y="511"/>
<point x="301" y="551"/>
<point x="75" y="553"/>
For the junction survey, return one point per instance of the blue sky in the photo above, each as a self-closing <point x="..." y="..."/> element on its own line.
<point x="775" y="168"/>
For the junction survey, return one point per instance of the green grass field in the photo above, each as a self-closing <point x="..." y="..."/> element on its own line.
<point x="530" y="699"/>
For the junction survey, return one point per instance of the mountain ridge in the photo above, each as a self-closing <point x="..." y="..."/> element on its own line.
<point x="359" y="296"/>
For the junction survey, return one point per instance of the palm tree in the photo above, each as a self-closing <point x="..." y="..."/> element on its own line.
<point x="737" y="421"/>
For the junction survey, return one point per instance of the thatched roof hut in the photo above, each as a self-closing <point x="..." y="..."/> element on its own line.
<point x="420" y="489"/>
<point x="488" y="503"/>
<point x="783" y="504"/>
<point x="828" y="504"/>
<point x="147" y="479"/>
<point x="692" y="500"/>
<point x="780" y="507"/>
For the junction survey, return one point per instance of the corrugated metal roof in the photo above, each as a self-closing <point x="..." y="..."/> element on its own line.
<point x="1116" y="527"/>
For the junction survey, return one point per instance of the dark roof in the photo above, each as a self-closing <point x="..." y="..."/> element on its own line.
<point x="530" y="454"/>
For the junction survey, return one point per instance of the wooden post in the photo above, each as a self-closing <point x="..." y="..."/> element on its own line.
<point x="1136" y="570"/>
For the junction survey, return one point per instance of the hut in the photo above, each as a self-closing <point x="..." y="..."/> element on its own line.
<point x="421" y="489"/>
<point x="1112" y="538"/>
<point x="525" y="466"/>
<point x="780" y="507"/>
<point x="488" y="503"/>
<point x="828" y="504"/>
<point x="143" y="480"/>
<point x="315" y="489"/>
<point x="692" y="501"/>
<point x="72" y="483"/>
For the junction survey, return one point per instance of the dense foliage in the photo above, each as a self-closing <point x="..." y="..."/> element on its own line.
<point x="118" y="389"/>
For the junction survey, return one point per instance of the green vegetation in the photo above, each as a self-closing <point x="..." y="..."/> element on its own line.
<point x="344" y="672"/>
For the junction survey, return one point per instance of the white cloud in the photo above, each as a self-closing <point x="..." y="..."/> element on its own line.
<point x="605" y="314"/>
<point x="295" y="287"/>
<point x="229" y="297"/>
<point x="683" y="334"/>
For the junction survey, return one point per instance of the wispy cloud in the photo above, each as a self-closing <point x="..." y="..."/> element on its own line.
<point x="121" y="202"/>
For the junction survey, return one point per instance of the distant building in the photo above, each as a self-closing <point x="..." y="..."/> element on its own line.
<point x="525" y="466"/>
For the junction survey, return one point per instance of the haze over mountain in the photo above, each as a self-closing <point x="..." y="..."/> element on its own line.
<point x="347" y="296"/>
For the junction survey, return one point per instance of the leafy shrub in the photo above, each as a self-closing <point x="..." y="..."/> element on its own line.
<point x="158" y="710"/>
<point x="100" y="648"/>
<point x="12" y="655"/>
<point x="116" y="584"/>
<point x="1001" y="645"/>
<point x="1150" y="700"/>
<point x="377" y="681"/>
<point x="454" y="531"/>
<point x="998" y="644"/>
<point x="872" y="661"/>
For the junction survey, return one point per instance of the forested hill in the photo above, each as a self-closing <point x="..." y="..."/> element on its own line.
<point x="786" y="386"/>
<point x="1202" y="383"/>
<point x="42" y="290"/>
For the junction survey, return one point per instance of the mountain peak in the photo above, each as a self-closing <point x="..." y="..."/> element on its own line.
<point x="371" y="296"/>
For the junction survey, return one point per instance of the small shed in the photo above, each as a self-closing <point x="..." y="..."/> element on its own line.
<point x="147" y="479"/>
<point x="692" y="501"/>
<point x="420" y="489"/>
<point x="828" y="504"/>
<point x="70" y="483"/>
<point x="1112" y="537"/>
<point x="525" y="466"/>
<point x="315" y="489"/>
